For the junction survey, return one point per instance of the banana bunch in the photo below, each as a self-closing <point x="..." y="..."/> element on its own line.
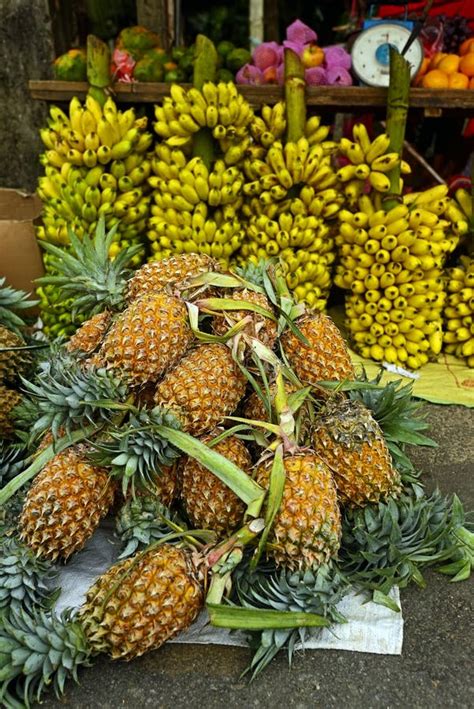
<point x="392" y="262"/>
<point x="195" y="210"/>
<point x="458" y="313"/>
<point x="368" y="164"/>
<point x="95" y="164"/>
<point x="268" y="127"/>
<point x="218" y="107"/>
<point x="56" y="313"/>
<point x="459" y="212"/>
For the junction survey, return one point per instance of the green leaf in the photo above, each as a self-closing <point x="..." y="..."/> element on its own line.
<point x="383" y="599"/>
<point x="274" y="498"/>
<point x="237" y="618"/>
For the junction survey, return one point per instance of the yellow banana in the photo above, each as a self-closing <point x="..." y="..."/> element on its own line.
<point x="361" y="135"/>
<point x="377" y="148"/>
<point x="379" y="181"/>
<point x="386" y="162"/>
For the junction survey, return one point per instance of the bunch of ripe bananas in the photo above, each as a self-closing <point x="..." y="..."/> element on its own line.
<point x="459" y="310"/>
<point x="368" y="164"/>
<point x="195" y="210"/>
<point x="197" y="207"/>
<point x="392" y="262"/>
<point x="291" y="196"/>
<point x="56" y="312"/>
<point x="95" y="164"/>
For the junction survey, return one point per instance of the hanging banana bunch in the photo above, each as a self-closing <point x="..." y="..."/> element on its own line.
<point x="291" y="195"/>
<point x="392" y="262"/>
<point x="458" y="313"/>
<point x="197" y="175"/>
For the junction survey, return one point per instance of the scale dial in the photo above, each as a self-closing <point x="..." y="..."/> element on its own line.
<point x="370" y="52"/>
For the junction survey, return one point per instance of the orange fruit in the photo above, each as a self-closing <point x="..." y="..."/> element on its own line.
<point x="449" y="63"/>
<point x="467" y="46"/>
<point x="435" y="79"/>
<point x="466" y="65"/>
<point x="424" y="67"/>
<point x="435" y="59"/>
<point x="458" y="80"/>
<point x="471" y="83"/>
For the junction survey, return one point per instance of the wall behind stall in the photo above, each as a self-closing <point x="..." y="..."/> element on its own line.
<point x="26" y="51"/>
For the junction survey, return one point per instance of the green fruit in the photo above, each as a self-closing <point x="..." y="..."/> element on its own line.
<point x="137" y="40"/>
<point x="225" y="75"/>
<point x="237" y="58"/>
<point x="175" y="75"/>
<point x="71" y="66"/>
<point x="177" y="53"/>
<point x="148" y="69"/>
<point x="225" y="47"/>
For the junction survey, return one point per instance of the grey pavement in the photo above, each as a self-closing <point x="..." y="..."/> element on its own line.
<point x="434" y="670"/>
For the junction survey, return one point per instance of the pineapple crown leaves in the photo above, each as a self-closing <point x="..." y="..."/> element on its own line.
<point x="66" y="396"/>
<point x="142" y="521"/>
<point x="12" y="300"/>
<point x="136" y="451"/>
<point x="398" y="414"/>
<point x="25" y="581"/>
<point x="12" y="461"/>
<point x="315" y="591"/>
<point x="88" y="275"/>
<point x="38" y="650"/>
<point x="387" y="544"/>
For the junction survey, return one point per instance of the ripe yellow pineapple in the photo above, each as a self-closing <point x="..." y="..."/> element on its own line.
<point x="142" y="602"/>
<point x="9" y="398"/>
<point x="307" y="527"/>
<point x="348" y="438"/>
<point x="148" y="338"/>
<point x="326" y="357"/>
<point x="91" y="333"/>
<point x="174" y="272"/>
<point x="208" y="502"/>
<point x="202" y="388"/>
<point x="12" y="362"/>
<point x="65" y="504"/>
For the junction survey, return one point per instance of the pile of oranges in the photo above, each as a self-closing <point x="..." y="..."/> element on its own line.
<point x="448" y="71"/>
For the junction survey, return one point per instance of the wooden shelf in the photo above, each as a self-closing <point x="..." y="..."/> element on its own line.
<point x="345" y="99"/>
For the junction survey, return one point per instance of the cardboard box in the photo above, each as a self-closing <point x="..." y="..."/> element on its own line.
<point x="20" y="255"/>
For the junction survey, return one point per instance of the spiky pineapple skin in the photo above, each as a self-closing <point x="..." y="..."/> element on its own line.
<point x="142" y="602"/>
<point x="64" y="505"/>
<point x="9" y="398"/>
<point x="174" y="272"/>
<point x="12" y="362"/>
<point x="90" y="334"/>
<point x="202" y="388"/>
<point x="327" y="356"/>
<point x="148" y="338"/>
<point x="208" y="502"/>
<point x="350" y="441"/>
<point x="260" y="327"/>
<point x="307" y="527"/>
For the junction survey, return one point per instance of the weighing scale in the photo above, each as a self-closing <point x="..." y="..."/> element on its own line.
<point x="371" y="50"/>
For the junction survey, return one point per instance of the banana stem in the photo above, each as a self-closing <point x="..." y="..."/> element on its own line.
<point x="397" y="111"/>
<point x="295" y="87"/>
<point x="205" y="68"/>
<point x="98" y="68"/>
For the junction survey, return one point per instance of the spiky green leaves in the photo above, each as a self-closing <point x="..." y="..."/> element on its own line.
<point x="87" y="274"/>
<point x="25" y="581"/>
<point x="387" y="544"/>
<point x="12" y="300"/>
<point x="38" y="651"/>
<point x="67" y="397"/>
<point x="12" y="461"/>
<point x="136" y="451"/>
<point x="142" y="521"/>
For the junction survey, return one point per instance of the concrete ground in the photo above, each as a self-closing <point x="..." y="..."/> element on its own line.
<point x="434" y="670"/>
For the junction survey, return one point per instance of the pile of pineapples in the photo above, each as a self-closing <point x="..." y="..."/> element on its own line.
<point x="223" y="425"/>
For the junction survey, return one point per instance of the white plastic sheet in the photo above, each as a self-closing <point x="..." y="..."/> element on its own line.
<point x="370" y="627"/>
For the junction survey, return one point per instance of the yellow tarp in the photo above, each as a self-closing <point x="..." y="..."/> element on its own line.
<point x="447" y="381"/>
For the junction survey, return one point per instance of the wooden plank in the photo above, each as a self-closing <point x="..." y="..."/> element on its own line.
<point x="329" y="97"/>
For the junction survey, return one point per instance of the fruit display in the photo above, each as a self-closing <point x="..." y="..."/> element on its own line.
<point x="323" y="65"/>
<point x="286" y="505"/>
<point x="458" y="336"/>
<point x="449" y="69"/>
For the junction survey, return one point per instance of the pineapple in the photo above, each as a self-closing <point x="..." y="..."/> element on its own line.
<point x="351" y="443"/>
<point x="209" y="504"/>
<point x="65" y="504"/>
<point x="174" y="272"/>
<point x="148" y="338"/>
<point x="203" y="388"/>
<point x="9" y="398"/>
<point x="12" y="362"/>
<point x="142" y="602"/>
<point x="259" y="326"/>
<point x="326" y="357"/>
<point x="307" y="527"/>
<point x="90" y="334"/>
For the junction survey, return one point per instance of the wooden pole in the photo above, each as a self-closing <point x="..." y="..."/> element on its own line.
<point x="397" y="112"/>
<point x="295" y="88"/>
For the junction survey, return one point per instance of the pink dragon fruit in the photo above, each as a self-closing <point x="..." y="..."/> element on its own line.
<point x="316" y="76"/>
<point x="338" y="76"/>
<point x="267" y="54"/>
<point x="336" y="55"/>
<point x="249" y="74"/>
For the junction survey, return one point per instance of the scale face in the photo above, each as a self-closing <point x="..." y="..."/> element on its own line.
<point x="370" y="52"/>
